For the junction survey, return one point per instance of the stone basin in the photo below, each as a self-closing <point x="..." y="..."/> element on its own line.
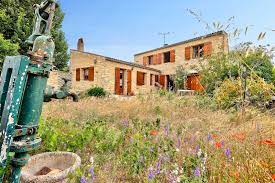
<point x="52" y="167"/>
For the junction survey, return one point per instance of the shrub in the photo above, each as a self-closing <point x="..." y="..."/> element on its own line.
<point x="97" y="92"/>
<point x="228" y="94"/>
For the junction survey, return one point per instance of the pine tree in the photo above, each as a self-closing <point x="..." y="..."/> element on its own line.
<point x="17" y="20"/>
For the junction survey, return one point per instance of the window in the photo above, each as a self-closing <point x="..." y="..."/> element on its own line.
<point x="140" y="78"/>
<point x="198" y="51"/>
<point x="150" y="60"/>
<point x="86" y="74"/>
<point x="167" y="57"/>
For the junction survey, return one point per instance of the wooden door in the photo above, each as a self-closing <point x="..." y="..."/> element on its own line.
<point x="162" y="80"/>
<point x="129" y="82"/>
<point x="193" y="83"/>
<point x="117" y="81"/>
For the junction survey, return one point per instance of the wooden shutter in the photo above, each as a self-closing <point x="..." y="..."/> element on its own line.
<point x="129" y="82"/>
<point x="207" y="48"/>
<point x="145" y="61"/>
<point x="155" y="59"/>
<point x="77" y="74"/>
<point x="188" y="53"/>
<point x="172" y="56"/>
<point x="140" y="78"/>
<point x="156" y="78"/>
<point x="91" y="74"/>
<point x="117" y="80"/>
<point x="162" y="80"/>
<point x="160" y="58"/>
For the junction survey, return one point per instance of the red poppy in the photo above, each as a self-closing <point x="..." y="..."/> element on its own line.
<point x="218" y="145"/>
<point x="235" y="174"/>
<point x="273" y="176"/>
<point x="214" y="136"/>
<point x="268" y="142"/>
<point x="153" y="132"/>
<point x="239" y="136"/>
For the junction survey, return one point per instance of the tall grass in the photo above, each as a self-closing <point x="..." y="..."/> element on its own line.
<point x="160" y="139"/>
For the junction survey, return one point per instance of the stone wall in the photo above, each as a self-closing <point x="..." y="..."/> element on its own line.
<point x="219" y="44"/>
<point x="104" y="73"/>
<point x="55" y="79"/>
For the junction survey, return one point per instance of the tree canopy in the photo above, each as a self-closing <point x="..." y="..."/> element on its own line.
<point x="17" y="20"/>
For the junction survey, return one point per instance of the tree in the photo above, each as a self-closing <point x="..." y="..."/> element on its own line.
<point x="17" y="20"/>
<point x="228" y="66"/>
<point x="6" y="48"/>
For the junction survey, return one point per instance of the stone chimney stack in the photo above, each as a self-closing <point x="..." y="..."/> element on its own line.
<point x="80" y="44"/>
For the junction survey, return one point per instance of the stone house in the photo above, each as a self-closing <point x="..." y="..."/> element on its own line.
<point x="187" y="54"/>
<point x="151" y="70"/>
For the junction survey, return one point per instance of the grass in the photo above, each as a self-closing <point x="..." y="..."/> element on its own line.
<point x="160" y="139"/>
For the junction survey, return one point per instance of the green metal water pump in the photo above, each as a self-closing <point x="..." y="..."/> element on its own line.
<point x="22" y="87"/>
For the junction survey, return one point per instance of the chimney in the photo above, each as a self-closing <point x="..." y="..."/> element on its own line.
<point x="80" y="44"/>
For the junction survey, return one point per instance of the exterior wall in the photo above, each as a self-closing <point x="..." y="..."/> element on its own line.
<point x="219" y="44"/>
<point x="55" y="79"/>
<point x="104" y="73"/>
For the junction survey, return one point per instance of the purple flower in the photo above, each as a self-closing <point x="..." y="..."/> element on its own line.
<point x="222" y="143"/>
<point x="92" y="172"/>
<point x="166" y="129"/>
<point x="83" y="180"/>
<point x="158" y="167"/>
<point x="197" y="172"/>
<point x="197" y="148"/>
<point x="125" y="123"/>
<point x="227" y="152"/>
<point x="151" y="173"/>
<point x="209" y="137"/>
<point x="179" y="143"/>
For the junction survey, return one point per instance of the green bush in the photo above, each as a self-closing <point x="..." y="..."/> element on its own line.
<point x="97" y="92"/>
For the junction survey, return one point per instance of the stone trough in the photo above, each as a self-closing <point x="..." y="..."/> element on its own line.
<point x="52" y="167"/>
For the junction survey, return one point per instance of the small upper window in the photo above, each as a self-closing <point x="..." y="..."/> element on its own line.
<point x="86" y="74"/>
<point x="198" y="51"/>
<point x="167" y="57"/>
<point x="150" y="60"/>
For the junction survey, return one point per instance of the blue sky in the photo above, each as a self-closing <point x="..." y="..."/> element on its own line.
<point x="122" y="28"/>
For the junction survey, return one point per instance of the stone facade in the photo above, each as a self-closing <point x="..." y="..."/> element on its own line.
<point x="104" y="73"/>
<point x="219" y="42"/>
<point x="89" y="69"/>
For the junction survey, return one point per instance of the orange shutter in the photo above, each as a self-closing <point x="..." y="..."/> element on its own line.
<point x="188" y="53"/>
<point x="77" y="74"/>
<point x="162" y="80"/>
<point x="91" y="74"/>
<point x="117" y="80"/>
<point x="144" y="60"/>
<point x="172" y="56"/>
<point x="159" y="58"/>
<point x="129" y="82"/>
<point x="140" y="78"/>
<point x="155" y="59"/>
<point x="207" y="48"/>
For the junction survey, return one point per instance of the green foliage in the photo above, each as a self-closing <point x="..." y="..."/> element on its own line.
<point x="273" y="75"/>
<point x="97" y="92"/>
<point x="17" y="20"/>
<point x="180" y="77"/>
<point x="224" y="66"/>
<point x="76" y="136"/>
<point x="6" y="48"/>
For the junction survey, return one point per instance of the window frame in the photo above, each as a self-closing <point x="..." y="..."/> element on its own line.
<point x="198" y="51"/>
<point x="85" y="77"/>
<point x="165" y="56"/>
